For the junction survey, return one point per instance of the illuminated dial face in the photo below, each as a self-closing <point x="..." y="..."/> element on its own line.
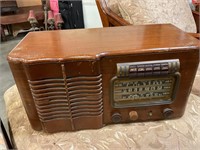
<point x="142" y="91"/>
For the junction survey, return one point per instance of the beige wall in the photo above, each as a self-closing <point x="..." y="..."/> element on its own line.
<point x="23" y="3"/>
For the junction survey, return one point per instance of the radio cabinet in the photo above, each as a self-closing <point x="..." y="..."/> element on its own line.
<point x="88" y="78"/>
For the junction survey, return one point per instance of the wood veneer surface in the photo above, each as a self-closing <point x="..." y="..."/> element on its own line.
<point x="94" y="43"/>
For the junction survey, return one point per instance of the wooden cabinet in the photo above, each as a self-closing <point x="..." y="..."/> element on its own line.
<point x="85" y="79"/>
<point x="8" y="6"/>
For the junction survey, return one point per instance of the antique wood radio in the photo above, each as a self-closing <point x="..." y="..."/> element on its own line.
<point x="89" y="78"/>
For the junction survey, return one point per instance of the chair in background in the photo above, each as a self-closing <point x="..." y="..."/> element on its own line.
<point x="119" y="13"/>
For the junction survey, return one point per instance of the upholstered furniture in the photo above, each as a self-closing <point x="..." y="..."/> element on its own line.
<point x="127" y="12"/>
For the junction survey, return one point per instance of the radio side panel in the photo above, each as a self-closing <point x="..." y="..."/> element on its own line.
<point x="188" y="60"/>
<point x="25" y="93"/>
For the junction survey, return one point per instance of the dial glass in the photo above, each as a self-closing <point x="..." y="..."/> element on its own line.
<point x="142" y="91"/>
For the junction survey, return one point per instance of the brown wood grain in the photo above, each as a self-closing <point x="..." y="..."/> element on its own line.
<point x="196" y="15"/>
<point x="82" y="43"/>
<point x="55" y="73"/>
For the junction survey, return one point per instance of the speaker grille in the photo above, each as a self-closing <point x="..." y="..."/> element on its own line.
<point x="85" y="96"/>
<point x="68" y="98"/>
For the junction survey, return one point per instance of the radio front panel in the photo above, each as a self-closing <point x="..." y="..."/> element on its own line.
<point x="143" y="88"/>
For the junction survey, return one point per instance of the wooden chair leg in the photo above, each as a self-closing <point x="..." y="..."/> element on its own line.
<point x="3" y="35"/>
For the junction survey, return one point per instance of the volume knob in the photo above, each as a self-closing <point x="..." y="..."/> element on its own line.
<point x="167" y="113"/>
<point x="116" y="117"/>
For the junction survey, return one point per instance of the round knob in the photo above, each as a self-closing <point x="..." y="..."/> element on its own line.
<point x="133" y="115"/>
<point x="168" y="112"/>
<point x="116" y="117"/>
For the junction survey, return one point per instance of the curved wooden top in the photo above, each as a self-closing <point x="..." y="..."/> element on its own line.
<point x="95" y="43"/>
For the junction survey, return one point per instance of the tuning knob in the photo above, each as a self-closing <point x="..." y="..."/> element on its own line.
<point x="133" y="115"/>
<point x="116" y="117"/>
<point x="167" y="113"/>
